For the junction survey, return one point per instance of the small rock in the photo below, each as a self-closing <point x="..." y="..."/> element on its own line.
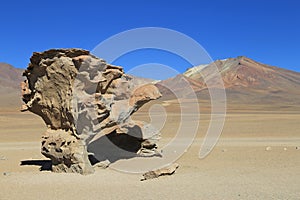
<point x="2" y="158"/>
<point x="169" y="170"/>
<point x="224" y="150"/>
<point x="6" y="173"/>
<point x="285" y="149"/>
<point x="297" y="148"/>
<point x="268" y="148"/>
<point x="103" y="164"/>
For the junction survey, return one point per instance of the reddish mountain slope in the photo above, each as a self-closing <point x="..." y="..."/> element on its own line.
<point x="243" y="72"/>
<point x="245" y="81"/>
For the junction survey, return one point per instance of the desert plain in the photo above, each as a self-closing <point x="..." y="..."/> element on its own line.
<point x="256" y="157"/>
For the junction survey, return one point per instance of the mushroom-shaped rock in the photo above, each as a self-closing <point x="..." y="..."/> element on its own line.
<point x="81" y="99"/>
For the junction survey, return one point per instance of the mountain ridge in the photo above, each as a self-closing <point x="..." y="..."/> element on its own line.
<point x="10" y="76"/>
<point x="245" y="80"/>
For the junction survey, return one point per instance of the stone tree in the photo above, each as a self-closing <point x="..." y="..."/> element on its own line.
<point x="80" y="96"/>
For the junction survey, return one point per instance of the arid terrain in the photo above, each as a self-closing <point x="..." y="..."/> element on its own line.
<point x="256" y="157"/>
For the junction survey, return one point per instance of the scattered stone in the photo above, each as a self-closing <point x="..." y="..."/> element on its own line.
<point x="103" y="164"/>
<point x="297" y="148"/>
<point x="6" y="173"/>
<point x="169" y="170"/>
<point x="224" y="150"/>
<point x="268" y="148"/>
<point x="285" y="149"/>
<point x="3" y="158"/>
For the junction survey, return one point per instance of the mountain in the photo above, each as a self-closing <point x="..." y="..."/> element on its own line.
<point x="179" y="85"/>
<point x="10" y="77"/>
<point x="243" y="72"/>
<point x="245" y="81"/>
<point x="10" y="91"/>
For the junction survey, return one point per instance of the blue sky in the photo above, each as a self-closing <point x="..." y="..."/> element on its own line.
<point x="267" y="30"/>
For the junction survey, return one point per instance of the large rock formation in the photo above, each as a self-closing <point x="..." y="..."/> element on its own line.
<point x="80" y="96"/>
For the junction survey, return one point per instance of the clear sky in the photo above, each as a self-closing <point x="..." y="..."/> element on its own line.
<point x="264" y="30"/>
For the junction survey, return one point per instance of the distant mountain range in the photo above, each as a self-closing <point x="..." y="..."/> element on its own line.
<point x="10" y="91"/>
<point x="245" y="81"/>
<point x="10" y="77"/>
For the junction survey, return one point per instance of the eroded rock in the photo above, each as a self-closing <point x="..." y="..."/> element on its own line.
<point x="81" y="99"/>
<point x="169" y="170"/>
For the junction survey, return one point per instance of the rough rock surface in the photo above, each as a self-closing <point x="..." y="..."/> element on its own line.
<point x="169" y="170"/>
<point x="80" y="96"/>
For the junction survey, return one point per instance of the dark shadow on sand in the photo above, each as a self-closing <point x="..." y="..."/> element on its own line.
<point x="111" y="147"/>
<point x="45" y="165"/>
<point x="114" y="146"/>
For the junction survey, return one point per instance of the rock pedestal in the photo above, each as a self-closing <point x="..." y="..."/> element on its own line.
<point x="80" y="96"/>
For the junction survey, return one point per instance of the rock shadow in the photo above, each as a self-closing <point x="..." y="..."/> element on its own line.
<point x="116" y="146"/>
<point x="45" y="165"/>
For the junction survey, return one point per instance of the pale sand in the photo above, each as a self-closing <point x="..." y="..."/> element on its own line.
<point x="239" y="167"/>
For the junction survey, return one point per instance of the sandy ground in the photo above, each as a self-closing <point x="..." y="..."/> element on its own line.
<point x="239" y="167"/>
